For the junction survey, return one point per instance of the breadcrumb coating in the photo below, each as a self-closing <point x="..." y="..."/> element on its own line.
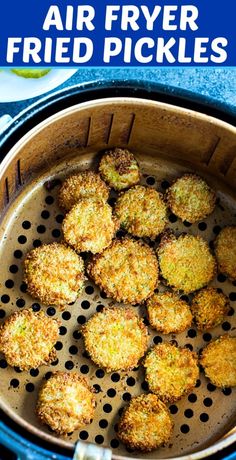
<point x="142" y="211"/>
<point x="27" y="339"/>
<point x="209" y="307"/>
<point x="127" y="270"/>
<point x="218" y="359"/>
<point x="145" y="423"/>
<point x="190" y="198"/>
<point x="89" y="225"/>
<point x="65" y="402"/>
<point x="186" y="262"/>
<point x="167" y="313"/>
<point x="119" y="169"/>
<point x="54" y="274"/>
<point x="85" y="184"/>
<point x="225" y="251"/>
<point x="115" y="338"/>
<point x="171" y="372"/>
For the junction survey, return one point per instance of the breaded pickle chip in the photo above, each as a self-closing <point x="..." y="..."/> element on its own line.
<point x="225" y="251"/>
<point x="85" y="184"/>
<point x="145" y="423"/>
<point x="171" y="372"/>
<point x="190" y="198"/>
<point x="119" y="169"/>
<point x="185" y="262"/>
<point x="142" y="211"/>
<point x="27" y="339"/>
<point x="65" y="402"/>
<point x="218" y="359"/>
<point x="167" y="313"/>
<point x="54" y="274"/>
<point x="127" y="271"/>
<point x="89" y="225"/>
<point x="115" y="338"/>
<point x="209" y="308"/>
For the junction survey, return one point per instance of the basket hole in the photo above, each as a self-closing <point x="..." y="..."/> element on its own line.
<point x="227" y="391"/>
<point x="207" y="402"/>
<point x="150" y="180"/>
<point x="97" y="388"/>
<point x="49" y="200"/>
<point x="45" y="214"/>
<point x="14" y="383"/>
<point x="184" y="428"/>
<point x="173" y="409"/>
<point x="56" y="233"/>
<point x="22" y="239"/>
<point x="103" y="423"/>
<point x="83" y="435"/>
<point x="29" y="387"/>
<point x="204" y="417"/>
<point x="89" y="290"/>
<point x="99" y="439"/>
<point x="114" y="443"/>
<point x="107" y="408"/>
<point x="26" y="224"/>
<point x="100" y="373"/>
<point x="9" y="284"/>
<point x="192" y="398"/>
<point x="18" y="254"/>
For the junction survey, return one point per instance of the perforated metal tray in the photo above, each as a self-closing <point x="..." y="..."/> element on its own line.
<point x="33" y="218"/>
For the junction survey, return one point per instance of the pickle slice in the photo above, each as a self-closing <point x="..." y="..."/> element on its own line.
<point x="30" y="73"/>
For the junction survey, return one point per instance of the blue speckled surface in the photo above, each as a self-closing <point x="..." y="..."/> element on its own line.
<point x="219" y="84"/>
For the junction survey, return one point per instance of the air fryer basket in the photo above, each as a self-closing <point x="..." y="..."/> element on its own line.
<point x="167" y="141"/>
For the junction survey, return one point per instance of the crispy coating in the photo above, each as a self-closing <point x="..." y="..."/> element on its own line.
<point x="115" y="338"/>
<point x="119" y="169"/>
<point x="27" y="339"/>
<point x="225" y="251"/>
<point x="141" y="211"/>
<point x="171" y="372"/>
<point x="185" y="262"/>
<point x="65" y="402"/>
<point x="127" y="271"/>
<point x="145" y="423"/>
<point x="190" y="198"/>
<point x="167" y="313"/>
<point x="89" y="225"/>
<point x="209" y="308"/>
<point x="85" y="184"/>
<point x="54" y="274"/>
<point x="218" y="359"/>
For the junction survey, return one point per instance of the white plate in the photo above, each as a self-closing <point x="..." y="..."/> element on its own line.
<point x="15" y="88"/>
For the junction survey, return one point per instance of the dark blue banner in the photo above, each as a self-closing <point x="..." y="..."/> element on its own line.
<point x="117" y="33"/>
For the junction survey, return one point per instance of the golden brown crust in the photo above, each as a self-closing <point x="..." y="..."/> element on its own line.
<point x="141" y="211"/>
<point x="225" y="251"/>
<point x="27" y="339"/>
<point x="89" y="225"/>
<point x="190" y="198"/>
<point x="65" y="402"/>
<point x="54" y="274"/>
<point x="127" y="270"/>
<point x="167" y="313"/>
<point x="119" y="168"/>
<point x="85" y="184"/>
<point x="186" y="262"/>
<point x="218" y="359"/>
<point x="209" y="308"/>
<point x="115" y="338"/>
<point x="171" y="372"/>
<point x="145" y="423"/>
